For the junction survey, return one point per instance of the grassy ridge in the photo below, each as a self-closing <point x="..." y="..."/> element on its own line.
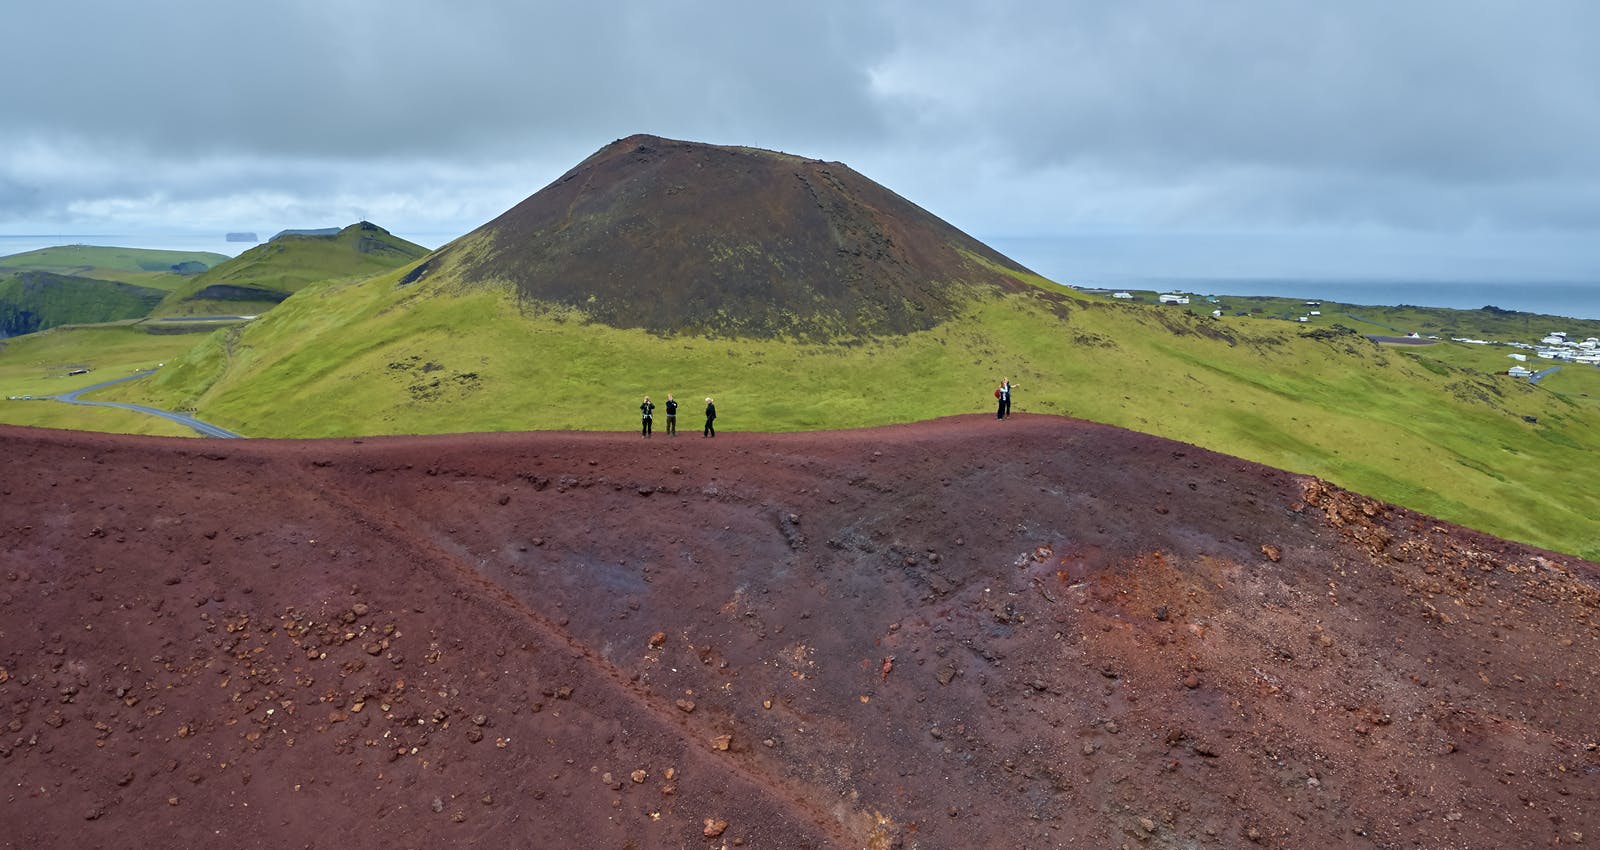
<point x="144" y="266"/>
<point x="374" y="357"/>
<point x="258" y="279"/>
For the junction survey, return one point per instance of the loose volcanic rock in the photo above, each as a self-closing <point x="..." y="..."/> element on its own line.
<point x="1093" y="669"/>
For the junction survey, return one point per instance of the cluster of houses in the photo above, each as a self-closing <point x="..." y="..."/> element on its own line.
<point x="1556" y="346"/>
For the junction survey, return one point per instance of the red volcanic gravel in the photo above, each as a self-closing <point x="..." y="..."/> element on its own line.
<point x="1035" y="633"/>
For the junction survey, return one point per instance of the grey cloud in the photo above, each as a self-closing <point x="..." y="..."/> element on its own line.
<point x="1008" y="117"/>
<point x="1453" y="91"/>
<point x="349" y="78"/>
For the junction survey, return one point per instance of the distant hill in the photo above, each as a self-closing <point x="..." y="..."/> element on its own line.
<point x="319" y="231"/>
<point x="130" y="265"/>
<point x="36" y="300"/>
<point x="263" y="276"/>
<point x="681" y="237"/>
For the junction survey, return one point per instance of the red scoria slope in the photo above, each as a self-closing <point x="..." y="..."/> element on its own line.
<point x="964" y="633"/>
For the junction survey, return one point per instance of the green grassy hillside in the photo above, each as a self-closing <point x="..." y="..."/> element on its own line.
<point x="260" y="278"/>
<point x="36" y="300"/>
<point x="143" y="266"/>
<point x="433" y="356"/>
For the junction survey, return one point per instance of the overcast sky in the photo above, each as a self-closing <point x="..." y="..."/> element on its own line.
<point x="1276" y="138"/>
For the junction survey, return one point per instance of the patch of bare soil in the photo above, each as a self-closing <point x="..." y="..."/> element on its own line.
<point x="1032" y="633"/>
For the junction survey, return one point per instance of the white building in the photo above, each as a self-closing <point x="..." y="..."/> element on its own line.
<point x="1123" y="295"/>
<point x="1519" y="372"/>
<point x="1522" y="357"/>
<point x="1174" y="298"/>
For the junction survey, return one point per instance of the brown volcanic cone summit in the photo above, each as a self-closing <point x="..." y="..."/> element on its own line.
<point x="962" y="633"/>
<point x="678" y="236"/>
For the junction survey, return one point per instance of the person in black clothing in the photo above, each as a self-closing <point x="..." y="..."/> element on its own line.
<point x="711" y="417"/>
<point x="1005" y="398"/>
<point x="647" y="408"/>
<point x="672" y="416"/>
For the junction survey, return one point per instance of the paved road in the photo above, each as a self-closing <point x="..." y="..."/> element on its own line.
<point x="1539" y="376"/>
<point x="202" y="319"/>
<point x="205" y="429"/>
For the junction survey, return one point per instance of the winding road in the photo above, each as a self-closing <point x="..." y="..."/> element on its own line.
<point x="205" y="429"/>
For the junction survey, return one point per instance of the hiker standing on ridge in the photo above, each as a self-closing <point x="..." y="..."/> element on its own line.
<point x="672" y="416"/>
<point x="646" y="409"/>
<point x="1004" y="394"/>
<point x="711" y="417"/>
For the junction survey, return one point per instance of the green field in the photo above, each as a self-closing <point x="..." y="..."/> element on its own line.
<point x="54" y="414"/>
<point x="38" y="364"/>
<point x="374" y="357"/>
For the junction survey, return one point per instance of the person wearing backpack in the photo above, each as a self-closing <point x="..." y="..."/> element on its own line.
<point x="646" y="409"/>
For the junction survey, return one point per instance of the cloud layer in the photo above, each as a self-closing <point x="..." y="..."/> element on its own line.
<point x="1458" y="120"/>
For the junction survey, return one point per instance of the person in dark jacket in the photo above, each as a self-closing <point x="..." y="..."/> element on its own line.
<point x="711" y="417"/>
<point x="646" y="409"/>
<point x="672" y="416"/>
<point x="1005" y="398"/>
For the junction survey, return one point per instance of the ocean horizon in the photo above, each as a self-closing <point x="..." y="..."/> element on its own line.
<point x="1553" y="275"/>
